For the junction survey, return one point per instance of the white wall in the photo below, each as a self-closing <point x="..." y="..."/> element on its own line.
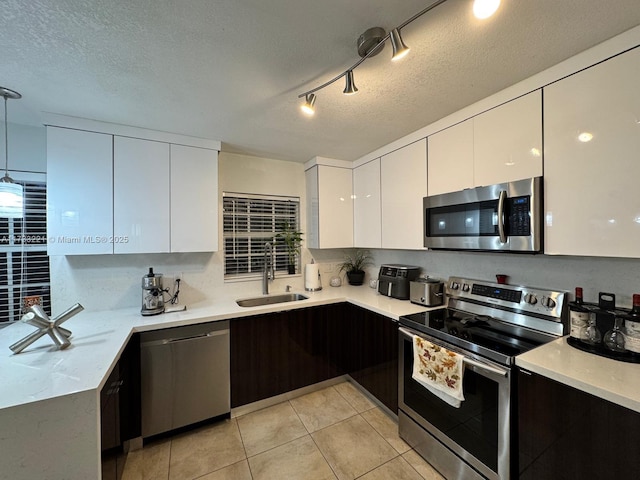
<point x="113" y="281"/>
<point x="27" y="148"/>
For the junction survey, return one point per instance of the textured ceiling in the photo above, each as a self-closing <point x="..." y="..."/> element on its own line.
<point x="231" y="70"/>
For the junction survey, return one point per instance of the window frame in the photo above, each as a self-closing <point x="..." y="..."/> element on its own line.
<point x="250" y="251"/>
<point x="13" y="292"/>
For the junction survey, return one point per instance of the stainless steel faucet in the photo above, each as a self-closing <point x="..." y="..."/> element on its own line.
<point x="267" y="272"/>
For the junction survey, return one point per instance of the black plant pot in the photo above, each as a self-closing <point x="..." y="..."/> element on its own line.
<point x="356" y="277"/>
<point x="291" y="269"/>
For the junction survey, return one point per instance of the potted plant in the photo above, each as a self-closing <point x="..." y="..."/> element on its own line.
<point x="354" y="264"/>
<point x="292" y="239"/>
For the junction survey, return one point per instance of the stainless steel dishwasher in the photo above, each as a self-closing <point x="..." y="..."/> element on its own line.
<point x="185" y="376"/>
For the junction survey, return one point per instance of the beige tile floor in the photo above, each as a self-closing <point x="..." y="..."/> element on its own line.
<point x="332" y="433"/>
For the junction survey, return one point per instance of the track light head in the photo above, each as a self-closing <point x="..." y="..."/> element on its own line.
<point x="483" y="9"/>
<point x="400" y="50"/>
<point x="350" y="87"/>
<point x="308" y="106"/>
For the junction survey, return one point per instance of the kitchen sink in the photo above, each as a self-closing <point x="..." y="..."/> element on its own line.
<point x="271" y="299"/>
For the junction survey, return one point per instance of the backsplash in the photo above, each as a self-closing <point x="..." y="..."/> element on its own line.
<point x="620" y="276"/>
<point x="113" y="281"/>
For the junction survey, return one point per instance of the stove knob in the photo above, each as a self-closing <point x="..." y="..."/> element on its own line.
<point x="465" y="287"/>
<point x="531" y="299"/>
<point x="455" y="285"/>
<point x="548" y="302"/>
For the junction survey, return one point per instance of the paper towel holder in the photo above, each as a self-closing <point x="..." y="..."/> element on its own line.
<point x="311" y="283"/>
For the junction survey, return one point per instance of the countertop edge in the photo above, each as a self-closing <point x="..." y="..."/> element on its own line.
<point x="602" y="377"/>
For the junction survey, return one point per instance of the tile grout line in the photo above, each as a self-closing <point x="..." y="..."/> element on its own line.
<point x="246" y="457"/>
<point x="335" y="474"/>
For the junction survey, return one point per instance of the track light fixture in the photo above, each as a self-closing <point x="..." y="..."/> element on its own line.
<point x="371" y="42"/>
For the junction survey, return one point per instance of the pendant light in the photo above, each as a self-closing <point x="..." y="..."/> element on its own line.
<point x="11" y="193"/>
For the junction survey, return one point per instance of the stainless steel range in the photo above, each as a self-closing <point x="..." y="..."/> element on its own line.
<point x="489" y="324"/>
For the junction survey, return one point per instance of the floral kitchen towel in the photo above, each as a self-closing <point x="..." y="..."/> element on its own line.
<point x="438" y="370"/>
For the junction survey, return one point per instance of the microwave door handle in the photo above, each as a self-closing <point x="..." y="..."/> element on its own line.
<point x="501" y="199"/>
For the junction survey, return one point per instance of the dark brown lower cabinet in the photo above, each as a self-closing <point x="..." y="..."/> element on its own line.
<point x="278" y="352"/>
<point x="564" y="433"/>
<point x="373" y="359"/>
<point x="120" y="410"/>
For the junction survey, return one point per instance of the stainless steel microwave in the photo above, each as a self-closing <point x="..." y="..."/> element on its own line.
<point x="505" y="217"/>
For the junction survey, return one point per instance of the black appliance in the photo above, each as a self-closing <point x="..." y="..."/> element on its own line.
<point x="394" y="280"/>
<point x="505" y="217"/>
<point x="489" y="324"/>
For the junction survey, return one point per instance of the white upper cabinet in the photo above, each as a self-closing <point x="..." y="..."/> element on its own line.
<point x="403" y="185"/>
<point x="329" y="207"/>
<point x="367" y="228"/>
<point x="194" y="199"/>
<point x="140" y="196"/>
<point x="507" y="141"/>
<point x="500" y="145"/>
<point x="111" y="193"/>
<point x="451" y="159"/>
<point x="79" y="192"/>
<point x="592" y="160"/>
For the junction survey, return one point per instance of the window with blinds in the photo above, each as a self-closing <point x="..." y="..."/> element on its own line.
<point x="250" y="221"/>
<point x="24" y="264"/>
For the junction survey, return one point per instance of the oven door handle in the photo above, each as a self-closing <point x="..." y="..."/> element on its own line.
<point x="466" y="360"/>
<point x="485" y="367"/>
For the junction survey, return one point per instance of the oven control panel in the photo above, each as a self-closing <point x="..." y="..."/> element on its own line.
<point x="549" y="303"/>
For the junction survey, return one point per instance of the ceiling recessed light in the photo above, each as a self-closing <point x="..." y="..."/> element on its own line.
<point x="585" y="137"/>
<point x="485" y="8"/>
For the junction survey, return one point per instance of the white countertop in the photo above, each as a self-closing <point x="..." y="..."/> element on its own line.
<point x="41" y="372"/>
<point x="618" y="382"/>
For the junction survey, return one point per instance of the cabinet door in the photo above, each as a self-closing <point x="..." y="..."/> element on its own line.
<point x="404" y="184"/>
<point x="79" y="192"/>
<point x="194" y="199"/>
<point x="450" y="155"/>
<point x="592" y="140"/>
<point x="508" y="141"/>
<point x="366" y="205"/>
<point x="566" y="433"/>
<point x="140" y="196"/>
<point x="373" y="347"/>
<point x="330" y="207"/>
<point x="259" y="358"/>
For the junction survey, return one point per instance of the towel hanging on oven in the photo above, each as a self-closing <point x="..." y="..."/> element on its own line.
<point x="439" y="370"/>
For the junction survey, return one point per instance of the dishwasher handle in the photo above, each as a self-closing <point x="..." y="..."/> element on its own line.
<point x="169" y="341"/>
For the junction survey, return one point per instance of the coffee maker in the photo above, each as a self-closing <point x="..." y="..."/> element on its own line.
<point x="152" y="294"/>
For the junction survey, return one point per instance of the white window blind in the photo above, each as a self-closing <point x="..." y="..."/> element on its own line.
<point x="24" y="264"/>
<point x="250" y="221"/>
